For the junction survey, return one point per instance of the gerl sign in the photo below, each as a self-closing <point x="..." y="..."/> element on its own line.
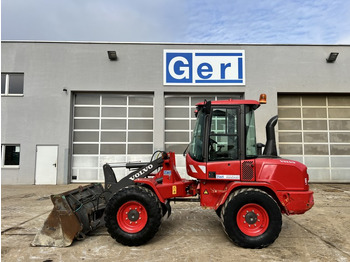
<point x="204" y="67"/>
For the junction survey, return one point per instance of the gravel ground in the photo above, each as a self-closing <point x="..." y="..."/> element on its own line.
<point x="189" y="234"/>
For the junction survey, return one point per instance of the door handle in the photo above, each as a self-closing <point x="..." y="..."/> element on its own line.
<point x="55" y="165"/>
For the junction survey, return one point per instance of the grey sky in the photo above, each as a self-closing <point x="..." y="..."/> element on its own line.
<point x="194" y="21"/>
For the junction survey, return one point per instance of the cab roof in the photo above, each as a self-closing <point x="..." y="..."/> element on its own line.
<point x="231" y="102"/>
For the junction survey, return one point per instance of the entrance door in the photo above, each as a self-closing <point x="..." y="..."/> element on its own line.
<point x="46" y="165"/>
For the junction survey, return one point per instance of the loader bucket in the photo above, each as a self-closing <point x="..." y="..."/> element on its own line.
<point x="75" y="213"/>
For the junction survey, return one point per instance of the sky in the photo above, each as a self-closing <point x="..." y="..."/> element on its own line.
<point x="178" y="21"/>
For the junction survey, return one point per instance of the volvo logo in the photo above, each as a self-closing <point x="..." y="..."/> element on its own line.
<point x="141" y="172"/>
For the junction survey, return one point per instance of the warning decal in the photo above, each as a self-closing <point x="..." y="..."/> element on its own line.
<point x="205" y="192"/>
<point x="174" y="190"/>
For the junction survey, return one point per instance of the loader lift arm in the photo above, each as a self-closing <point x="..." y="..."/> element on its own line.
<point x="112" y="186"/>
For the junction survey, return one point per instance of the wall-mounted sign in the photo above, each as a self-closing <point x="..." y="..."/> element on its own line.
<point x="204" y="67"/>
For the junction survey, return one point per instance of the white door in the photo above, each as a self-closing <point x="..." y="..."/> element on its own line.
<point x="46" y="165"/>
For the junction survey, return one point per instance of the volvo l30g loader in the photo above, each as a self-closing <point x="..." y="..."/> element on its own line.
<point x="248" y="190"/>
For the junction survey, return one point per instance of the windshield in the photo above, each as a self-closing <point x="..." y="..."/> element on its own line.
<point x="196" y="146"/>
<point x="251" y="150"/>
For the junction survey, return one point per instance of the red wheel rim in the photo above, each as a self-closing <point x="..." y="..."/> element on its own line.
<point x="252" y="219"/>
<point x="132" y="217"/>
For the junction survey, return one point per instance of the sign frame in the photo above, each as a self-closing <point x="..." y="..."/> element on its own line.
<point x="192" y="67"/>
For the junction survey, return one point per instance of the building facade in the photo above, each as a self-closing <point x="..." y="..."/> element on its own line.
<point x="69" y="107"/>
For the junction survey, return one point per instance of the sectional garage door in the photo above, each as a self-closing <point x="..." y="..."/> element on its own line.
<point x="110" y="128"/>
<point x="315" y="129"/>
<point x="180" y="121"/>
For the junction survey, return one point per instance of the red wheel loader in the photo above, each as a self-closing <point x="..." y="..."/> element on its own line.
<point x="248" y="189"/>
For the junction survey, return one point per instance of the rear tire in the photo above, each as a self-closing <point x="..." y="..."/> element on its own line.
<point x="251" y="218"/>
<point x="133" y="215"/>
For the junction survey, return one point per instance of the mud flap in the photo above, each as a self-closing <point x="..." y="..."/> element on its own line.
<point x="75" y="213"/>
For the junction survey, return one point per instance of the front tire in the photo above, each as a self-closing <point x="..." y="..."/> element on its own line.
<point x="133" y="215"/>
<point x="251" y="218"/>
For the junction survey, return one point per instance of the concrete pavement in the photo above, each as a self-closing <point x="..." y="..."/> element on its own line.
<point x="190" y="234"/>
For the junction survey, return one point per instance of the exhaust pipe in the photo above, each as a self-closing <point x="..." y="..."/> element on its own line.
<point x="270" y="148"/>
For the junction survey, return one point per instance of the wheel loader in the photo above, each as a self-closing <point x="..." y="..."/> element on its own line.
<point x="248" y="188"/>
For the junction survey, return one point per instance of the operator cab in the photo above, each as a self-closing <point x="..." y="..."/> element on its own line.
<point x="224" y="131"/>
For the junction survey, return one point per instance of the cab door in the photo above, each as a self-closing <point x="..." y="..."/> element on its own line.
<point x="224" y="143"/>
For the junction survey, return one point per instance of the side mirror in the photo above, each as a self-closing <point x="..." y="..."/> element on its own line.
<point x="207" y="107"/>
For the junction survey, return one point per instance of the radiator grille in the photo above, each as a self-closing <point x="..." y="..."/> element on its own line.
<point x="248" y="171"/>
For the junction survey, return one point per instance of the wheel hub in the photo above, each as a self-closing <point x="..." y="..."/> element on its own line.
<point x="133" y="215"/>
<point x="251" y="218"/>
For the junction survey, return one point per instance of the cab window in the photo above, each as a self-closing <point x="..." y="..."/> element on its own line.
<point x="196" y="145"/>
<point x="223" y="139"/>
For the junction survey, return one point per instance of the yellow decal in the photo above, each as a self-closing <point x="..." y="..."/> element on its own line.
<point x="206" y="192"/>
<point x="174" y="190"/>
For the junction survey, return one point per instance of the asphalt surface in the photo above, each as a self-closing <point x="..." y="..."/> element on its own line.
<point x="189" y="234"/>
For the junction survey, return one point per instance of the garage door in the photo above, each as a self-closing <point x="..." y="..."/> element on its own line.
<point x="180" y="121"/>
<point x="315" y="129"/>
<point x="110" y="128"/>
